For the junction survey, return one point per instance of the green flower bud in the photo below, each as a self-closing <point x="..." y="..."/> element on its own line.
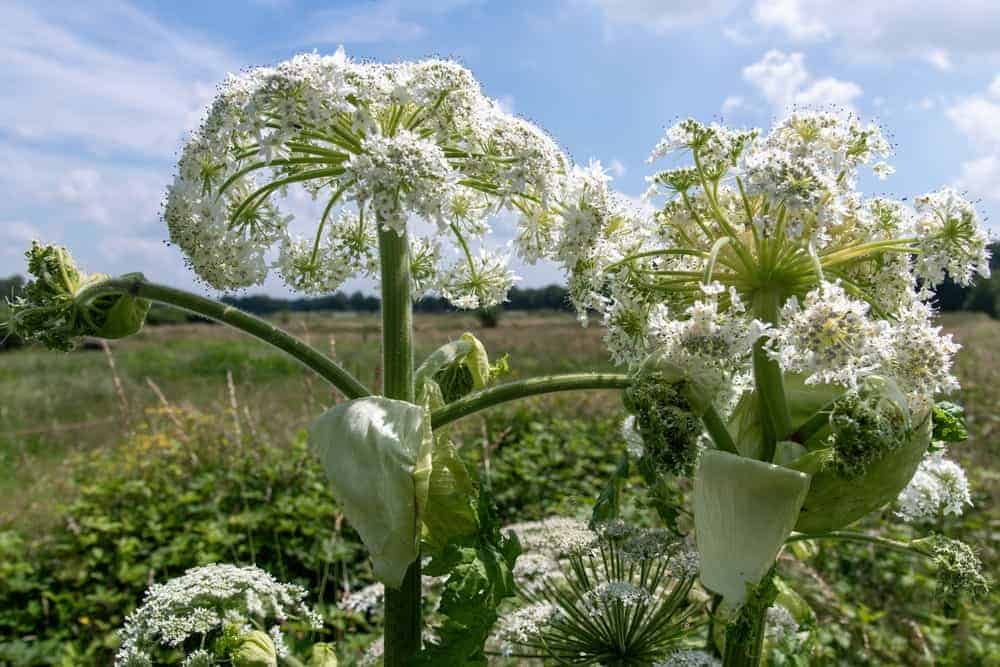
<point x="51" y="311"/>
<point x="868" y="424"/>
<point x="667" y="405"/>
<point x="872" y="448"/>
<point x="959" y="569"/>
<point x="256" y="650"/>
<point x="323" y="655"/>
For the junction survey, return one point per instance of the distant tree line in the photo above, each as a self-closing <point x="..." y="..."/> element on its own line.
<point x="553" y="297"/>
<point x="983" y="296"/>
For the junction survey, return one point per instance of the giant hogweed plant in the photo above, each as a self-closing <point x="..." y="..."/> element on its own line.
<point x="775" y="325"/>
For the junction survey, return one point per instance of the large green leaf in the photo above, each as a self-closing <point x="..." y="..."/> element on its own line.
<point x="744" y="510"/>
<point x="451" y="501"/>
<point x="377" y="455"/>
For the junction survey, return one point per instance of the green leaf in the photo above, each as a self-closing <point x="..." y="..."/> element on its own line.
<point x="608" y="503"/>
<point x="481" y="577"/>
<point x="477" y="361"/>
<point x="744" y="510"/>
<point x="451" y="505"/>
<point x="949" y="422"/>
<point x="377" y="455"/>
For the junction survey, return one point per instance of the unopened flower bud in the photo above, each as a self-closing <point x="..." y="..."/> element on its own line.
<point x="52" y="310"/>
<point x="256" y="650"/>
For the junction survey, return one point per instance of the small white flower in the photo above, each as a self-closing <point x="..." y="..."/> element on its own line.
<point x="478" y="281"/>
<point x="830" y="337"/>
<point x="202" y="601"/>
<point x="939" y="487"/>
<point x="364" y="599"/>
<point x="689" y="658"/>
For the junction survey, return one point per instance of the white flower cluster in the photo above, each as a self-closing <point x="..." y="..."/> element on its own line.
<point x="611" y="594"/>
<point x="207" y="600"/>
<point x="829" y="337"/>
<point x="767" y="235"/>
<point x="555" y="536"/>
<point x="938" y="488"/>
<point x="380" y="143"/>
<point x="689" y="658"/>
<point x="523" y="625"/>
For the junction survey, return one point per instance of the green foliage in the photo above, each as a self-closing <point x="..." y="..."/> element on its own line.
<point x="608" y="503"/>
<point x="542" y="464"/>
<point x="949" y="423"/>
<point x="480" y="573"/>
<point x="175" y="496"/>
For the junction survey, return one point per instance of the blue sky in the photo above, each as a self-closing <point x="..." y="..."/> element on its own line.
<point x="97" y="96"/>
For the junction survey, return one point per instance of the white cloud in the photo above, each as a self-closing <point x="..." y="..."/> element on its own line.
<point x="733" y="103"/>
<point x="792" y="18"/>
<point x="616" y="168"/>
<point x="72" y="87"/>
<point x="16" y="236"/>
<point x="784" y="81"/>
<point x="935" y="31"/>
<point x="978" y="118"/>
<point x="981" y="177"/>
<point x="939" y="58"/>
<point x="661" y="17"/>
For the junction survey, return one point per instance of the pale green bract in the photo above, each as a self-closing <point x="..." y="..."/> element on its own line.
<point x="744" y="510"/>
<point x="377" y="454"/>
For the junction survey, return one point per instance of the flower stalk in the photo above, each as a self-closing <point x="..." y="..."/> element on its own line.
<point x="402" y="606"/>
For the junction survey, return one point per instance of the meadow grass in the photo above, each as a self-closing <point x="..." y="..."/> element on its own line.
<point x="54" y="404"/>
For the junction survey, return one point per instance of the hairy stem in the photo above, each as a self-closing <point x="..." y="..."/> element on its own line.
<point x="402" y="605"/>
<point x="745" y="632"/>
<point x="313" y="359"/>
<point x="511" y="391"/>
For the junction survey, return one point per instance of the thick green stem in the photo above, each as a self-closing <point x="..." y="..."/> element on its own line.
<point x="716" y="428"/>
<point x="511" y="391"/>
<point x="236" y="318"/>
<point x="776" y="421"/>
<point x="745" y="633"/>
<point x="402" y="605"/>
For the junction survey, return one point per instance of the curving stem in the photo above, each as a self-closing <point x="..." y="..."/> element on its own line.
<point x="511" y="391"/>
<point x="308" y="356"/>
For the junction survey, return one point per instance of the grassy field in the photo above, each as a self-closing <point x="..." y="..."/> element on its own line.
<point x="60" y="413"/>
<point x="53" y="404"/>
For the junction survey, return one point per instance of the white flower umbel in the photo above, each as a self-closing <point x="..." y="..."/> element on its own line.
<point x="939" y="488"/>
<point x="384" y="142"/>
<point x="524" y="626"/>
<point x="830" y="337"/>
<point x="205" y="601"/>
<point x="689" y="658"/>
<point x="922" y="357"/>
<point x="951" y="238"/>
<point x="554" y="536"/>
<point x="478" y="281"/>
